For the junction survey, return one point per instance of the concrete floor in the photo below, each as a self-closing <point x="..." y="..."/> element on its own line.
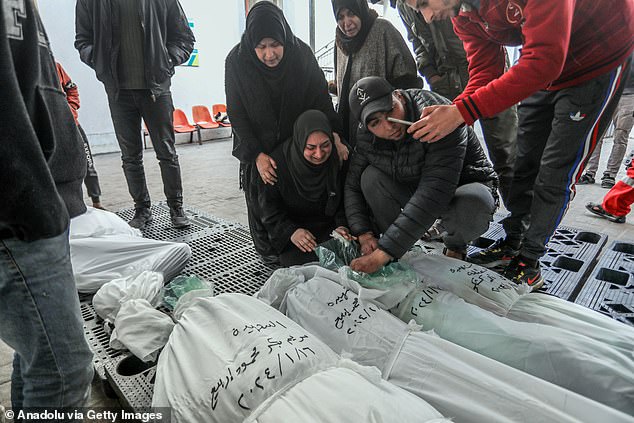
<point x="210" y="179"/>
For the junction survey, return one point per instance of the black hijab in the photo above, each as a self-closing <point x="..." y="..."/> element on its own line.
<point x="350" y="45"/>
<point x="267" y="20"/>
<point x="313" y="181"/>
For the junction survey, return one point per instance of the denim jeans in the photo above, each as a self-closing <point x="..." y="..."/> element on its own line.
<point x="41" y="321"/>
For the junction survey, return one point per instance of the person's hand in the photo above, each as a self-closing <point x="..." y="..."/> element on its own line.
<point x="368" y="243"/>
<point x="344" y="232"/>
<point x="304" y="240"/>
<point x="342" y="150"/>
<point x="370" y="263"/>
<point x="266" y="168"/>
<point x="436" y="122"/>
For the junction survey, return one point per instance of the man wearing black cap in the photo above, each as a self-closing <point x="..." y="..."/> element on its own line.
<point x="398" y="186"/>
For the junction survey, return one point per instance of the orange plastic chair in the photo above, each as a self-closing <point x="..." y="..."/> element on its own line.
<point x="202" y="118"/>
<point x="220" y="114"/>
<point x="182" y="125"/>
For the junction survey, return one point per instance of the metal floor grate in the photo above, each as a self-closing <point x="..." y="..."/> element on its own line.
<point x="610" y="287"/>
<point x="98" y="339"/>
<point x="161" y="227"/>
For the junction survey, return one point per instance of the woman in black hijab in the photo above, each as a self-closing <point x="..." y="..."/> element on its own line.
<point x="367" y="45"/>
<point x="271" y="77"/>
<point x="305" y="205"/>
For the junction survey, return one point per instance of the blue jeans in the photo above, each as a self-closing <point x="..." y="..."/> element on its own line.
<point x="41" y="321"/>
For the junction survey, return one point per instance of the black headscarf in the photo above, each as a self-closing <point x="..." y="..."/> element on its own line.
<point x="313" y="181"/>
<point x="351" y="45"/>
<point x="267" y="20"/>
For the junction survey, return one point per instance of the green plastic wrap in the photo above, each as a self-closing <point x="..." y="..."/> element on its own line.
<point x="338" y="252"/>
<point x="181" y="285"/>
<point x="386" y="277"/>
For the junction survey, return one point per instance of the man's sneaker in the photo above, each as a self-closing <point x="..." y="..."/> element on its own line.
<point x="141" y="218"/>
<point x="607" y="181"/>
<point x="496" y="255"/>
<point x="522" y="273"/>
<point x="586" y="179"/>
<point x="179" y="218"/>
<point x="597" y="209"/>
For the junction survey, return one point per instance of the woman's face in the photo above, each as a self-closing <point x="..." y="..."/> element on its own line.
<point x="348" y="22"/>
<point x="269" y="52"/>
<point x="318" y="148"/>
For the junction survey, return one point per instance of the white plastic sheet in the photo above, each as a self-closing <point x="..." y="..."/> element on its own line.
<point x="234" y="359"/>
<point x="474" y="284"/>
<point x="142" y="329"/>
<point x="108" y="300"/>
<point x="553" y="311"/>
<point x="103" y="247"/>
<point x="490" y="291"/>
<point x="457" y="382"/>
<point x="98" y="223"/>
<point x="568" y="359"/>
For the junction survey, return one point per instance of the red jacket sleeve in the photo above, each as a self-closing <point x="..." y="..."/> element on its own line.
<point x="544" y="51"/>
<point x="69" y="88"/>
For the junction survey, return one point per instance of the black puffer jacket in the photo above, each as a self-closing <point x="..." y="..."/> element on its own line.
<point x="168" y="40"/>
<point x="436" y="169"/>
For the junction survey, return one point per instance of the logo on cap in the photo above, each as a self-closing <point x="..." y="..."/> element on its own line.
<point x="362" y="95"/>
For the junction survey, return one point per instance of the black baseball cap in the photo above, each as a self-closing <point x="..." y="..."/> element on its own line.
<point x="370" y="95"/>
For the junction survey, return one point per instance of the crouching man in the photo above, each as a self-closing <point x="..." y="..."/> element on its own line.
<point x="398" y="186"/>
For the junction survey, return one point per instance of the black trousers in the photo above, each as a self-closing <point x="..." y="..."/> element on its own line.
<point x="91" y="180"/>
<point x="467" y="217"/>
<point x="500" y="138"/>
<point x="127" y="110"/>
<point x="557" y="133"/>
<point x="249" y="182"/>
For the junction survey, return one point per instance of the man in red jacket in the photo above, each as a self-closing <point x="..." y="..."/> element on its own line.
<point x="569" y="78"/>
